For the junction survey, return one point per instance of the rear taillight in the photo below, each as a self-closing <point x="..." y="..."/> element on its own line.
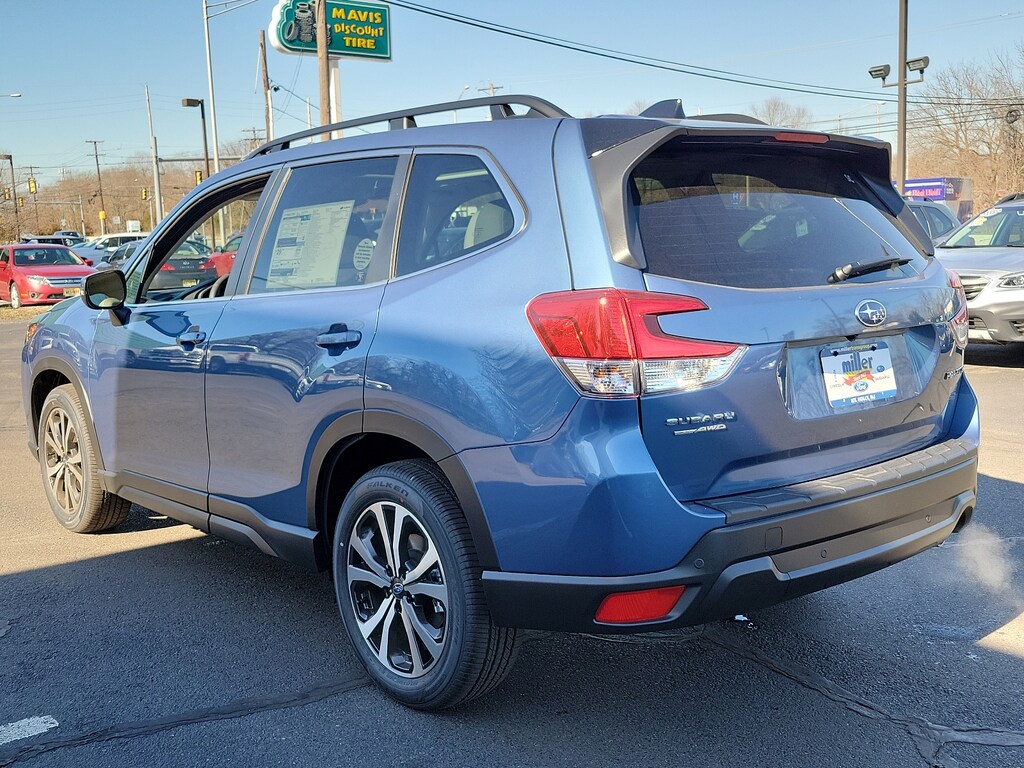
<point x="609" y="342"/>
<point x="959" y="322"/>
<point x="168" y="267"/>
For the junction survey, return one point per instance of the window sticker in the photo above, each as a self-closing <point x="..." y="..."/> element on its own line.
<point x="307" y="251"/>
<point x="363" y="254"/>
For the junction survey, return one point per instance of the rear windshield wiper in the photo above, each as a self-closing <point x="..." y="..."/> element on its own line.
<point x="859" y="268"/>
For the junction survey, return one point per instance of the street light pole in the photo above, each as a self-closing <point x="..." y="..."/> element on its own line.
<point x="202" y="122"/>
<point x="901" y="99"/>
<point x="881" y="73"/>
<point x="209" y="79"/>
<point x="14" y="195"/>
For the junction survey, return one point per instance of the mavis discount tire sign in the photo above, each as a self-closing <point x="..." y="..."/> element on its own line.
<point x="354" y="30"/>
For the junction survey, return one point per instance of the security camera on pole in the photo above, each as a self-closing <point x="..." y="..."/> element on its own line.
<point x="881" y="73"/>
<point x="331" y="30"/>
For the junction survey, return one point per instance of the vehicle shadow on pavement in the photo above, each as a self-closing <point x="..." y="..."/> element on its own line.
<point x="163" y="638"/>
<point x="995" y="355"/>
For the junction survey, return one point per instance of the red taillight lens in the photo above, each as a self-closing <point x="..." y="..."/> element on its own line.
<point x="636" y="607"/>
<point x="959" y="320"/>
<point x="168" y="267"/>
<point x="609" y="342"/>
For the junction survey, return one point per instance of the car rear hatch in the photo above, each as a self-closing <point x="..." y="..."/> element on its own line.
<point x="814" y="333"/>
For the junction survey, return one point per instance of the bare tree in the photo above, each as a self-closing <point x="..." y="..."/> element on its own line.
<point x="968" y="123"/>
<point x="777" y="111"/>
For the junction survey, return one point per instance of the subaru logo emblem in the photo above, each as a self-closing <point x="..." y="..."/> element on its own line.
<point x="870" y="312"/>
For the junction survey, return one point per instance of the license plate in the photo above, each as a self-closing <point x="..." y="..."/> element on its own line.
<point x="858" y="374"/>
<point x="72" y="291"/>
<point x="189" y="283"/>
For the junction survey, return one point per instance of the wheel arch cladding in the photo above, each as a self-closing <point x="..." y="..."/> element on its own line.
<point x="343" y="455"/>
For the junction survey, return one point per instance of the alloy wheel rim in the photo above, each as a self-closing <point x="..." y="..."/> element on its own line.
<point x="397" y="588"/>
<point x="62" y="454"/>
<point x="15" y="298"/>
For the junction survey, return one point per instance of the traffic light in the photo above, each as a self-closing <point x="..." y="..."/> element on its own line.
<point x="31" y="185"/>
<point x="7" y="193"/>
<point x="199" y="178"/>
<point x="21" y="202"/>
<point x="145" y="194"/>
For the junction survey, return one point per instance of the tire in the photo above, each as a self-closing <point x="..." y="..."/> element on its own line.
<point x="15" y="297"/>
<point x="68" y="463"/>
<point x="442" y="648"/>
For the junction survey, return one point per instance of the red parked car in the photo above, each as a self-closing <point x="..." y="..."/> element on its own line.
<point x="40" y="274"/>
<point x="222" y="258"/>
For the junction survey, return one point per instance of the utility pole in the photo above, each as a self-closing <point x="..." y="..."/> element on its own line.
<point x="14" y="196"/>
<point x="254" y="137"/>
<point x="99" y="182"/>
<point x="490" y="88"/>
<point x="267" y="93"/>
<point x="323" y="64"/>
<point x="81" y="213"/>
<point x="156" y="164"/>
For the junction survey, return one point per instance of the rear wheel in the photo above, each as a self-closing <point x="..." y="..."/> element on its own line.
<point x="68" y="463"/>
<point x="15" y="297"/>
<point x="408" y="587"/>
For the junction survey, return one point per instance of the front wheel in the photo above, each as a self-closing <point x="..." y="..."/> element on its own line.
<point x="15" y="297"/>
<point x="408" y="587"/>
<point x="68" y="462"/>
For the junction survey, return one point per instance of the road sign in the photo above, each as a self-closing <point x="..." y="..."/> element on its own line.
<point x="355" y="29"/>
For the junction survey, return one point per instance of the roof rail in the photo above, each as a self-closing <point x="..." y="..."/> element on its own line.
<point x="500" y="106"/>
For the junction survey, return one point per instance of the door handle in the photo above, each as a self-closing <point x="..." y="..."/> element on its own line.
<point x="191" y="337"/>
<point x="338" y="335"/>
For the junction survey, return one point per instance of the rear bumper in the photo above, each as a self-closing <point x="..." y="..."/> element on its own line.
<point x="749" y="565"/>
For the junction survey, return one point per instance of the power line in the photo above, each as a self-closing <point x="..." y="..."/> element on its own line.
<point x="656" y="63"/>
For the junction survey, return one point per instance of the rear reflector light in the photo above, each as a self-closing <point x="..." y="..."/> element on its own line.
<point x="636" y="607"/>
<point x="609" y="342"/>
<point x="801" y="138"/>
<point x="959" y="321"/>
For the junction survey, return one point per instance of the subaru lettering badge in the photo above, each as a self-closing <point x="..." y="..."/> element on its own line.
<point x="870" y="312"/>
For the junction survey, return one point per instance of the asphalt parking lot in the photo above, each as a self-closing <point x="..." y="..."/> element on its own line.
<point x="158" y="645"/>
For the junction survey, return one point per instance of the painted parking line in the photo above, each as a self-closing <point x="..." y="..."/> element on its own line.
<point x="30" y="726"/>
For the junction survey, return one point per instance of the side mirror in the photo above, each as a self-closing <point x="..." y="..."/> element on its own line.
<point x="88" y="262"/>
<point x="218" y="249"/>
<point x="106" y="290"/>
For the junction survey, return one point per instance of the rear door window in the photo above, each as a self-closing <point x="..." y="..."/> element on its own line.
<point x="760" y="217"/>
<point x="454" y="207"/>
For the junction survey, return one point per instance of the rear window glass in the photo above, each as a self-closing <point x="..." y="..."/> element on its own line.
<point x="760" y="217"/>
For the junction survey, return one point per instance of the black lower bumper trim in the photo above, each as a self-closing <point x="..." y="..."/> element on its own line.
<point x="738" y="568"/>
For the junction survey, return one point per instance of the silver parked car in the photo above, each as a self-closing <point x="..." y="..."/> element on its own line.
<point x="988" y="253"/>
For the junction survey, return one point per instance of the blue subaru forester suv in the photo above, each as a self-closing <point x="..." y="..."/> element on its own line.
<point x="606" y="375"/>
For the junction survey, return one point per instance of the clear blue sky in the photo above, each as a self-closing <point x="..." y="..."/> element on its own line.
<point x="81" y="64"/>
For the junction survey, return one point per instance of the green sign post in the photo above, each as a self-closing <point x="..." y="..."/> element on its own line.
<point x="354" y="29"/>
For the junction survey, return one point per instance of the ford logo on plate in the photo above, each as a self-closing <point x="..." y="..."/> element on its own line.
<point x="870" y="312"/>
